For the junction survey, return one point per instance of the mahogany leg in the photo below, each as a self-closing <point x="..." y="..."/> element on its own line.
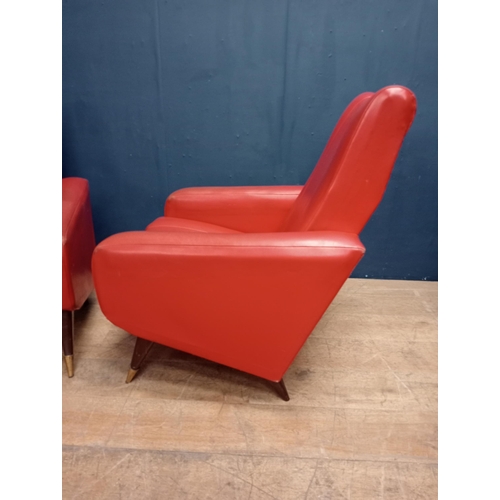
<point x="141" y="350"/>
<point x="280" y="389"/>
<point x="67" y="340"/>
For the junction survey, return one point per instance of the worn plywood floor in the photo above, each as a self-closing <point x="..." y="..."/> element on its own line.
<point x="361" y="422"/>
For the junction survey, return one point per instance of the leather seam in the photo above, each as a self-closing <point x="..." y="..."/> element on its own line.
<point x="122" y="245"/>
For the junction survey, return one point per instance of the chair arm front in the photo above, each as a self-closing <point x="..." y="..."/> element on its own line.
<point x="244" y="300"/>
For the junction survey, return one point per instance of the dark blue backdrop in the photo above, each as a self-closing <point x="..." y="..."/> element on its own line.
<point x="164" y="94"/>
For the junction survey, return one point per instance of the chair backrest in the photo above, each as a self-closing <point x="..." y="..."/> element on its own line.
<point x="350" y="178"/>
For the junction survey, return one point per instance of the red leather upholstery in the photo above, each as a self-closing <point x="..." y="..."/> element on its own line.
<point x="350" y="179"/>
<point x="77" y="243"/>
<point x="184" y="225"/>
<point x="248" y="301"/>
<point x="250" y="209"/>
<point x="241" y="276"/>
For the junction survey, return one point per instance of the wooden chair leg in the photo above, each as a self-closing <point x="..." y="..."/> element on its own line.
<point x="67" y="340"/>
<point x="141" y="350"/>
<point x="280" y="389"/>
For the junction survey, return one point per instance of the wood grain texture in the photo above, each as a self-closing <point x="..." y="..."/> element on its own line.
<point x="361" y="423"/>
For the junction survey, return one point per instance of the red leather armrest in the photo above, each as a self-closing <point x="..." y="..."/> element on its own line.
<point x="244" y="300"/>
<point x="247" y="209"/>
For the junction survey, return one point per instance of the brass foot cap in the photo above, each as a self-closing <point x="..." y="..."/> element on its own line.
<point x="130" y="376"/>
<point x="69" y="365"/>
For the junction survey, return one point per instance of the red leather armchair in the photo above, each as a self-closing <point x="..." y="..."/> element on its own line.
<point x="241" y="275"/>
<point x="78" y="243"/>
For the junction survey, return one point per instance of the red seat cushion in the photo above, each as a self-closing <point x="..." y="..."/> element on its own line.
<point x="173" y="224"/>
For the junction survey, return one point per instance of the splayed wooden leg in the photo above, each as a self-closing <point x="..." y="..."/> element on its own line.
<point x="67" y="340"/>
<point x="280" y="389"/>
<point x="141" y="350"/>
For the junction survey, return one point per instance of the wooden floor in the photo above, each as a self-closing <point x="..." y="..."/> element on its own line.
<point x="361" y="422"/>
